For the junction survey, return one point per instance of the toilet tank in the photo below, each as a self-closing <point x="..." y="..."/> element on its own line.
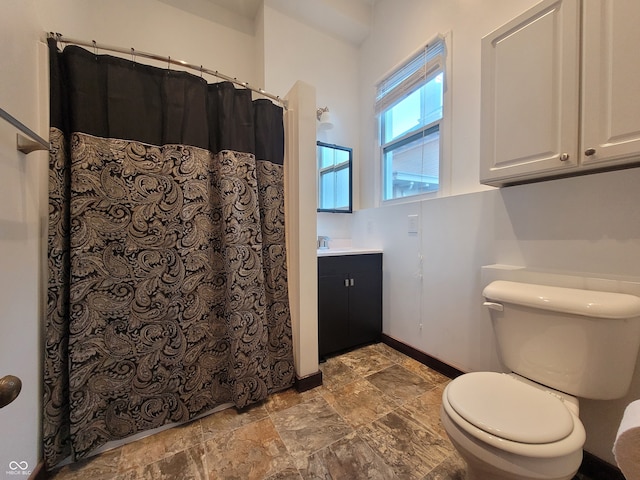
<point x="582" y="342"/>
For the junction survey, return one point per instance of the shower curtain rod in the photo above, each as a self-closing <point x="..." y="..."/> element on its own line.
<point x="136" y="53"/>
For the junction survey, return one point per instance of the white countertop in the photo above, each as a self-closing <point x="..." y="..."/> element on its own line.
<point x="333" y="252"/>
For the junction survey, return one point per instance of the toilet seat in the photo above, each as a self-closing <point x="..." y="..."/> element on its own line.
<point x="502" y="406"/>
<point x="570" y="443"/>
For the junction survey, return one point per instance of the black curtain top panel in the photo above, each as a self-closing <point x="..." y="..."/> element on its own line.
<point x="112" y="97"/>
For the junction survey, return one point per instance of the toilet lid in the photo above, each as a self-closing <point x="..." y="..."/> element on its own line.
<point x="507" y="408"/>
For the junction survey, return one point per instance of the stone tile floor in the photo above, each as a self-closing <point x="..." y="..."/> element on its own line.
<point x="375" y="417"/>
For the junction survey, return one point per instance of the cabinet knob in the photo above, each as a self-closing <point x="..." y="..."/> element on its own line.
<point x="10" y="387"/>
<point x="564" y="157"/>
<point x="590" y="151"/>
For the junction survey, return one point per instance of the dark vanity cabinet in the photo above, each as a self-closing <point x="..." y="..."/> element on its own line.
<point x="349" y="301"/>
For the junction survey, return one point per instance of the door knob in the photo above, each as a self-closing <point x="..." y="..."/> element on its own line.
<point x="590" y="151"/>
<point x="10" y="387"/>
<point x="564" y="157"/>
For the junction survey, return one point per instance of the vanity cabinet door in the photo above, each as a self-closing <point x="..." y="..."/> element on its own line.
<point x="530" y="95"/>
<point x="365" y="299"/>
<point x="333" y="314"/>
<point x="611" y="95"/>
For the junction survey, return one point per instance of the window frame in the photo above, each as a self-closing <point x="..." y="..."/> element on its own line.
<point x="406" y="139"/>
<point x="443" y="127"/>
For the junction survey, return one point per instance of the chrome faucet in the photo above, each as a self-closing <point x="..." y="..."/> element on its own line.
<point x="323" y="242"/>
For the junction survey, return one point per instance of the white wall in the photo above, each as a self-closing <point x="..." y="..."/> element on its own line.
<point x="300" y="210"/>
<point x="584" y="224"/>
<point x="22" y="215"/>
<point x="434" y="303"/>
<point x="397" y="33"/>
<point x="295" y="51"/>
<point x="155" y="27"/>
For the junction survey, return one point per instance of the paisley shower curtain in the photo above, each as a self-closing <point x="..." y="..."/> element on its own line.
<point x="167" y="288"/>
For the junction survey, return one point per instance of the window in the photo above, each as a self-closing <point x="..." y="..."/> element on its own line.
<point x="409" y="105"/>
<point x="334" y="178"/>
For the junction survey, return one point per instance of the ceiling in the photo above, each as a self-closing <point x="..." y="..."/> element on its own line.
<point x="349" y="20"/>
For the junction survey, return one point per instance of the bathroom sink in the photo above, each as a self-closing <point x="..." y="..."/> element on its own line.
<point x="328" y="252"/>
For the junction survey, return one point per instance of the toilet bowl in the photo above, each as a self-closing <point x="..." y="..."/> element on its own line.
<point x="553" y="339"/>
<point x="506" y="427"/>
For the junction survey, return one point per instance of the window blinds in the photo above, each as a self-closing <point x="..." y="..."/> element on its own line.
<point x="415" y="72"/>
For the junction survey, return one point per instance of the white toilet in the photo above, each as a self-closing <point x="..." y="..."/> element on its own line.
<point x="557" y="342"/>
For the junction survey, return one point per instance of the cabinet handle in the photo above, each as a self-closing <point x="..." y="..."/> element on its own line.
<point x="564" y="157"/>
<point x="346" y="282"/>
<point x="351" y="282"/>
<point x="590" y="151"/>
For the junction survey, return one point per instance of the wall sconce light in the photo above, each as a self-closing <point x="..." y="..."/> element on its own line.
<point x="324" y="117"/>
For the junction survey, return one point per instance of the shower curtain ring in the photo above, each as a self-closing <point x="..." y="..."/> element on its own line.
<point x="133" y="55"/>
<point x="95" y="47"/>
<point x="169" y="63"/>
<point x="200" y="71"/>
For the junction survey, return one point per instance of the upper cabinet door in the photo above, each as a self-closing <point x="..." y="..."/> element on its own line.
<point x="530" y="95"/>
<point x="611" y="89"/>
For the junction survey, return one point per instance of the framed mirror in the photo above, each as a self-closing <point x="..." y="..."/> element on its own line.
<point x="334" y="178"/>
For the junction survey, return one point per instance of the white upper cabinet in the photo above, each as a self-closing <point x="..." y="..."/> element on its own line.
<point x="530" y="99"/>
<point x="547" y="112"/>
<point x="611" y="82"/>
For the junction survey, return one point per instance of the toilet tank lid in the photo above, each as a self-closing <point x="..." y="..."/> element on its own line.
<point x="588" y="303"/>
